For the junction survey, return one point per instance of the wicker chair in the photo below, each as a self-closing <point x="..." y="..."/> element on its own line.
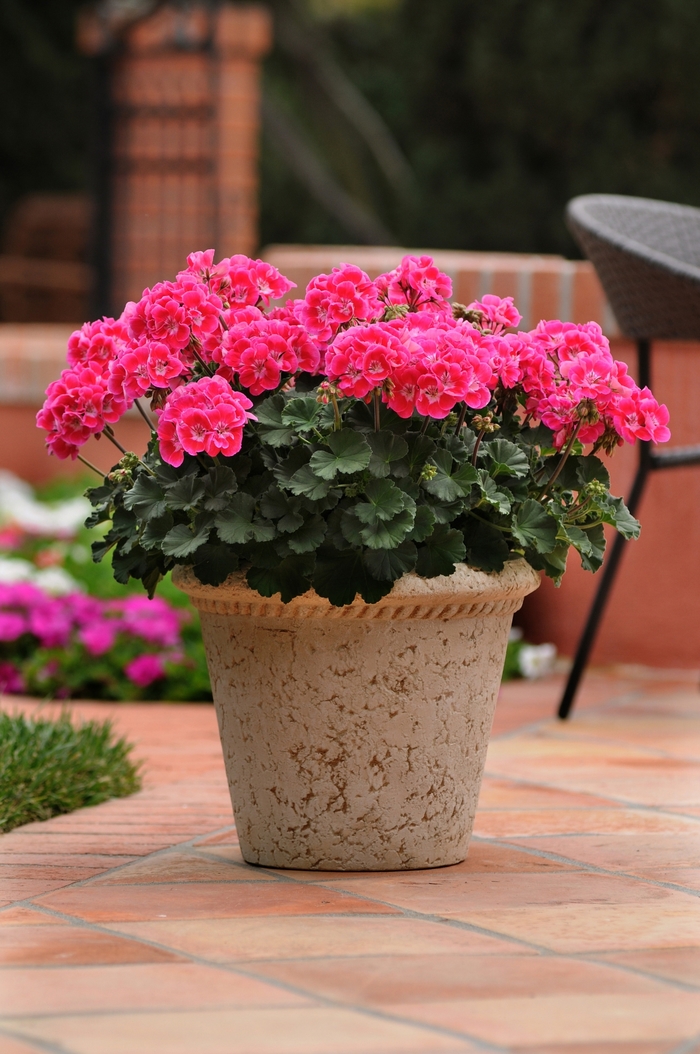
<point x="647" y="255"/>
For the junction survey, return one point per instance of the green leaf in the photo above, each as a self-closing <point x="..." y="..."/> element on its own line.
<point x="450" y="482"/>
<point x="186" y="494"/>
<point x="442" y="550"/>
<point x="276" y="505"/>
<point x="387" y="534"/>
<point x="486" y="546"/>
<point x="236" y="524"/>
<point x="291" y="578"/>
<point x="540" y="436"/>
<point x="301" y="414"/>
<point x="340" y="576"/>
<point x="534" y="528"/>
<point x="306" y="482"/>
<point x="308" y="537"/>
<point x="596" y="537"/>
<point x="506" y="459"/>
<point x="386" y="448"/>
<point x="390" y="564"/>
<point x="156" y="531"/>
<point x="499" y="497"/>
<point x="180" y="541"/>
<point x="350" y="527"/>
<point x="579" y="539"/>
<point x="614" y="511"/>
<point x="420" y="449"/>
<point x="589" y="468"/>
<point x="214" y="563"/>
<point x="384" y="501"/>
<point x="146" y="498"/>
<point x="219" y="484"/>
<point x="271" y="428"/>
<point x="298" y="457"/>
<point x="423" y="524"/>
<point x="349" y="452"/>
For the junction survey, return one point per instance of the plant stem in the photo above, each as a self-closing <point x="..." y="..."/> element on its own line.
<point x="506" y="530"/>
<point x="90" y="465"/>
<point x="461" y="419"/>
<point x="424" y="426"/>
<point x="143" y="413"/>
<point x="205" y="365"/>
<point x="377" y="407"/>
<point x="560" y="466"/>
<point x="112" y="438"/>
<point x="480" y="436"/>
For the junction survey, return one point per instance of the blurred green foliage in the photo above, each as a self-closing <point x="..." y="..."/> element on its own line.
<point x="504" y="109"/>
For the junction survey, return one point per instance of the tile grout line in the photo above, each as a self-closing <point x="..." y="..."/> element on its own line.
<point x="237" y="968"/>
<point x="581" y="865"/>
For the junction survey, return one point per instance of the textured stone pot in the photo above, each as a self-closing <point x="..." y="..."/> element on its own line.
<point x="355" y="738"/>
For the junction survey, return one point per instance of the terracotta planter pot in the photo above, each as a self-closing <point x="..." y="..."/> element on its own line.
<point x="355" y="738"/>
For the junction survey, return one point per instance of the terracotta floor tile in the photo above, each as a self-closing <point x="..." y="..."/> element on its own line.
<point x="243" y="940"/>
<point x="514" y="823"/>
<point x="72" y="946"/>
<point x="625" y="853"/>
<point x="274" y="1031"/>
<point x="596" y="1048"/>
<point x="228" y="837"/>
<point x="595" y="927"/>
<point x="21" y="916"/>
<point x="482" y="858"/>
<point x="181" y="867"/>
<point x="598" y="1018"/>
<point x="504" y="794"/>
<point x="688" y="877"/>
<point x="9" y="1045"/>
<point x="675" y="964"/>
<point x="392" y="979"/>
<point x="210" y="900"/>
<point x="668" y="733"/>
<point x="162" y="986"/>
<point x="442" y="892"/>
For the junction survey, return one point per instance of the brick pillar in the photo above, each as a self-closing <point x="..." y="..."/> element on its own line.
<point x="184" y="144"/>
<point x="243" y="35"/>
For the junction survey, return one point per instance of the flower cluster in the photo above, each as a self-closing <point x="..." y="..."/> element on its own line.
<point x="379" y="429"/>
<point x="31" y="619"/>
<point x="204" y="417"/>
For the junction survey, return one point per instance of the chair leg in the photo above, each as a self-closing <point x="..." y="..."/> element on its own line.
<point x="601" y="598"/>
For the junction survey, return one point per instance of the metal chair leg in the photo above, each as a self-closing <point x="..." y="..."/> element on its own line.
<point x="601" y="598"/>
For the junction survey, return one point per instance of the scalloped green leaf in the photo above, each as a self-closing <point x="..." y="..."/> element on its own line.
<point x="271" y="428"/>
<point x="309" y="536"/>
<point x="506" y="459"/>
<point x="387" y="534"/>
<point x="389" y="564"/>
<point x="305" y="481"/>
<point x="146" y="498"/>
<point x="534" y="528"/>
<point x="384" y="501"/>
<point x="450" y="481"/>
<point x="423" y="524"/>
<point x="236" y="524"/>
<point x="340" y="576"/>
<point x="302" y="415"/>
<point x="441" y="551"/>
<point x="349" y="452"/>
<point x="181" y="541"/>
<point x="386" y="449"/>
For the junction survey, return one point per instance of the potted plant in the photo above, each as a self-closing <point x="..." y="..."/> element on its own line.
<point x="356" y="489"/>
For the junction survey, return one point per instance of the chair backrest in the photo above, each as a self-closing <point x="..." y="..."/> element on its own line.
<point x="647" y="255"/>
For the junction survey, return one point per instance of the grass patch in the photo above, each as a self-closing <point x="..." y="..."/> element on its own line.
<point x="53" y="767"/>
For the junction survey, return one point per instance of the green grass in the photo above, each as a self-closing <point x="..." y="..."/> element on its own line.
<point x="52" y="767"/>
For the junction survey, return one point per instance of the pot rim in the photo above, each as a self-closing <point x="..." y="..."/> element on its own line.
<point x="467" y="593"/>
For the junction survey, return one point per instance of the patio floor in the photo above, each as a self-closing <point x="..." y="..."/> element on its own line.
<point x="573" y="926"/>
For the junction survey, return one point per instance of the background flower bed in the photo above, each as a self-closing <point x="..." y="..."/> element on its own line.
<point x="67" y="629"/>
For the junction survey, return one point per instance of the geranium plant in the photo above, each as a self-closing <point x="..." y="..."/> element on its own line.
<point x="341" y="440"/>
